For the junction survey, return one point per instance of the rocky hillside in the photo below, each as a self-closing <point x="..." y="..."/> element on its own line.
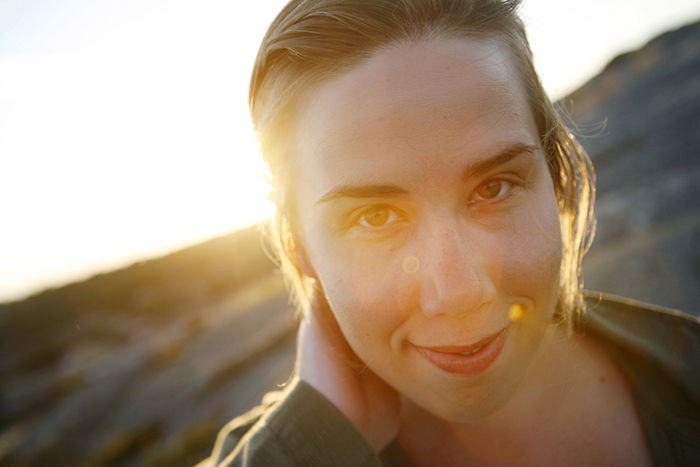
<point x="142" y="366"/>
<point x="640" y="121"/>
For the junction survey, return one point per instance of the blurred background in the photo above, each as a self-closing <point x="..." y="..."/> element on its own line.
<point x="138" y="311"/>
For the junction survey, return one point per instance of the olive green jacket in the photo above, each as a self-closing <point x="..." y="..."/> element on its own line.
<point x="657" y="349"/>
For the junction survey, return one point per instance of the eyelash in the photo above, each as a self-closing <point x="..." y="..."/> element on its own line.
<point x="357" y="220"/>
<point x="512" y="185"/>
<point x="362" y="216"/>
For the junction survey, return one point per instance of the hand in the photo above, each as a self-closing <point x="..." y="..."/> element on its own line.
<point x="326" y="362"/>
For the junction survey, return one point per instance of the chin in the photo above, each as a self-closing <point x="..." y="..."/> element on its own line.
<point x="471" y="400"/>
<point x="470" y="408"/>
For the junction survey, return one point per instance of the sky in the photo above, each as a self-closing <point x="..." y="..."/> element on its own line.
<point x="124" y="128"/>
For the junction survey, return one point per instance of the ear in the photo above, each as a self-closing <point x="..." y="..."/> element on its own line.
<point x="302" y="258"/>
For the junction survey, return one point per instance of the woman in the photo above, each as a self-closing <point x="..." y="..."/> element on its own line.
<point x="432" y="216"/>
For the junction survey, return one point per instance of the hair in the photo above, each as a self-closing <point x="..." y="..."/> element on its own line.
<point x="312" y="41"/>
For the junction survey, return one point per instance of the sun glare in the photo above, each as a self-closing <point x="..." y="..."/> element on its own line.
<point x="124" y="131"/>
<point x="126" y="136"/>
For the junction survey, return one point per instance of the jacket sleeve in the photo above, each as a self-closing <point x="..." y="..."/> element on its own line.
<point x="302" y="429"/>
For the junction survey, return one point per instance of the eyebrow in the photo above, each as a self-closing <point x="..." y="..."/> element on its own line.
<point x="362" y="191"/>
<point x="371" y="191"/>
<point x="501" y="157"/>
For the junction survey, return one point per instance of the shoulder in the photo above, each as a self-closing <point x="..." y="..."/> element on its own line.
<point x="295" y="427"/>
<point x="234" y="431"/>
<point x="670" y="337"/>
<point x="616" y="304"/>
<point x="658" y="351"/>
<point x="649" y="338"/>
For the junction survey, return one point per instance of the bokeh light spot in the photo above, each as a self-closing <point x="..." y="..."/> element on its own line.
<point x="516" y="311"/>
<point x="411" y="264"/>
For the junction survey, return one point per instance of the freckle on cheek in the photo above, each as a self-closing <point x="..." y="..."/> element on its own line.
<point x="411" y="264"/>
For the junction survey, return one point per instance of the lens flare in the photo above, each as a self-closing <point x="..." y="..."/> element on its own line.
<point x="516" y="311"/>
<point x="411" y="264"/>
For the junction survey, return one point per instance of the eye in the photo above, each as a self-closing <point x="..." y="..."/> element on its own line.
<point x="491" y="190"/>
<point x="377" y="217"/>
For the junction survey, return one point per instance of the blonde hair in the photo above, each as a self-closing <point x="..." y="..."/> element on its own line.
<point x="314" y="40"/>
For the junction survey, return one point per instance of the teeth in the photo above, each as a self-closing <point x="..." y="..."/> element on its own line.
<point x="471" y="352"/>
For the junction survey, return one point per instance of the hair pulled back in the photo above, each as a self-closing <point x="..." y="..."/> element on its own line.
<point x="312" y="41"/>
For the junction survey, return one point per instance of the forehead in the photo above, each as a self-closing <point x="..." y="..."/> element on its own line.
<point x="416" y="101"/>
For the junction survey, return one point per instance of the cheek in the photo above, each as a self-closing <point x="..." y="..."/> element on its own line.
<point x="366" y="295"/>
<point x="535" y="249"/>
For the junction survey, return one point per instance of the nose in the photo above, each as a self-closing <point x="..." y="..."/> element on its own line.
<point x="454" y="274"/>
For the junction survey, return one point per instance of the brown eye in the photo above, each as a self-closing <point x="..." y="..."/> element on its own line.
<point x="376" y="217"/>
<point x="492" y="190"/>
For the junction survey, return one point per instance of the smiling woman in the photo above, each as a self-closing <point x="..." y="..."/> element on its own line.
<point x="432" y="215"/>
<point x="414" y="184"/>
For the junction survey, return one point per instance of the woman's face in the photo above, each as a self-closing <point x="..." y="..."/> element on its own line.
<point x="426" y="211"/>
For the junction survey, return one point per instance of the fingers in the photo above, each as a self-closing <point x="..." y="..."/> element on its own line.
<point x="321" y="326"/>
<point x="326" y="361"/>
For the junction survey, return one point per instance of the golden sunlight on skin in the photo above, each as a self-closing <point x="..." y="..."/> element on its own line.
<point x="398" y="181"/>
<point x="428" y="220"/>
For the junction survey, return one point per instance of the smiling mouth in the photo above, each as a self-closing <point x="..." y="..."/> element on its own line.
<point x="473" y="351"/>
<point x="466" y="359"/>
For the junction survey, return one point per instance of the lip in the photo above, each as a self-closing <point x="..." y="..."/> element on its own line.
<point x="450" y="358"/>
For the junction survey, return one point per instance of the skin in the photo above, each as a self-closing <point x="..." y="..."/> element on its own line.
<point x="426" y="211"/>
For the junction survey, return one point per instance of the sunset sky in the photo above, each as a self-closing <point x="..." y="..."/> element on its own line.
<point x="124" y="130"/>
